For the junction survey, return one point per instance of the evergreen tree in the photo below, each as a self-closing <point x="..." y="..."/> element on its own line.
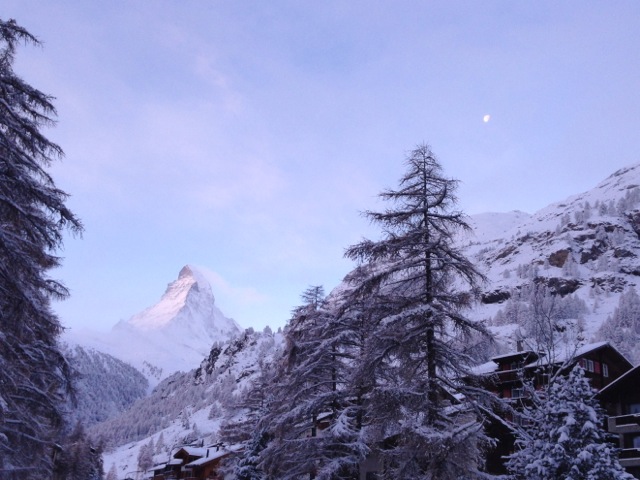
<point x="78" y="458"/>
<point x="562" y="436"/>
<point x="33" y="372"/>
<point x="160" y="446"/>
<point x="247" y="466"/>
<point x="145" y="456"/>
<point x="302" y="392"/>
<point x="414" y="285"/>
<point x="311" y="424"/>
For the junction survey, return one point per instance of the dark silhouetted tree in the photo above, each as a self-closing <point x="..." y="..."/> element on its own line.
<point x="78" y="458"/>
<point x="311" y="425"/>
<point x="34" y="375"/>
<point x="413" y="285"/>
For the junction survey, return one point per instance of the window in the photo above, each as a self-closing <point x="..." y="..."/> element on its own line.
<point x="521" y="421"/>
<point x="605" y="370"/>
<point x="636" y="441"/>
<point x="590" y="365"/>
<point x="517" y="392"/>
<point x="634" y="408"/>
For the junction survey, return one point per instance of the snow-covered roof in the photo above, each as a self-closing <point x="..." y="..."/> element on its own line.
<point x="589" y="347"/>
<point x="562" y="356"/>
<point x="567" y="354"/>
<point x="484" y="368"/>
<point x="512" y="354"/>
<point x="192" y="451"/>
<point x="213" y="455"/>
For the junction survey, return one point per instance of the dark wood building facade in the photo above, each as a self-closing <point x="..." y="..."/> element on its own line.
<point x="504" y="375"/>
<point x="621" y="400"/>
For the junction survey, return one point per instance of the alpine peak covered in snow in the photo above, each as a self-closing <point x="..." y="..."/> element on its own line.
<point x="173" y="335"/>
<point x="187" y="302"/>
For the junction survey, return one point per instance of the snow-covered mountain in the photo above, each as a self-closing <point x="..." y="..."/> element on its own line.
<point x="173" y="335"/>
<point x="586" y="246"/>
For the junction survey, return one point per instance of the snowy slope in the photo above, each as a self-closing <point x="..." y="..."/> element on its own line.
<point x="189" y="406"/>
<point x="173" y="335"/>
<point x="105" y="386"/>
<point x="587" y="245"/>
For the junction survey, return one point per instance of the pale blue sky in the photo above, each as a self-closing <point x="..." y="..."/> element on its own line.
<point x="247" y="136"/>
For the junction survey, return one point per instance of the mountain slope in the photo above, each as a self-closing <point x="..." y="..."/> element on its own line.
<point x="189" y="406"/>
<point x="105" y="386"/>
<point x="586" y="246"/>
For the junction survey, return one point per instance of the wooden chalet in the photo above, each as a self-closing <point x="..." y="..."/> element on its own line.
<point x="504" y="375"/>
<point x="192" y="463"/>
<point x="601" y="362"/>
<point x="621" y="400"/>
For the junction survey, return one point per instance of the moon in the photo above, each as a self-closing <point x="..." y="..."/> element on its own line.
<point x="486" y="118"/>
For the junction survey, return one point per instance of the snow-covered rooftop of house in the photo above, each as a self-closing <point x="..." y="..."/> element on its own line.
<point x="213" y="455"/>
<point x="568" y="353"/>
<point x="484" y="368"/>
<point x="193" y="451"/>
<point x="512" y="354"/>
<point x="562" y="356"/>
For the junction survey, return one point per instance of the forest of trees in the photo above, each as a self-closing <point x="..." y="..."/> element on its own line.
<point x="382" y="366"/>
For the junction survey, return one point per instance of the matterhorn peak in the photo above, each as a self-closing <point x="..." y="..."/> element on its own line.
<point x="174" y="334"/>
<point x="186" y="300"/>
<point x="189" y="273"/>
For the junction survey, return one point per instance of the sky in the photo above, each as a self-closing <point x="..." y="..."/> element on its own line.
<point x="246" y="138"/>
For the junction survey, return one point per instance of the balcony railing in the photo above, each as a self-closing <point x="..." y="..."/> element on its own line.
<point x="630" y="453"/>
<point x="508" y="376"/>
<point x="633" y="419"/>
